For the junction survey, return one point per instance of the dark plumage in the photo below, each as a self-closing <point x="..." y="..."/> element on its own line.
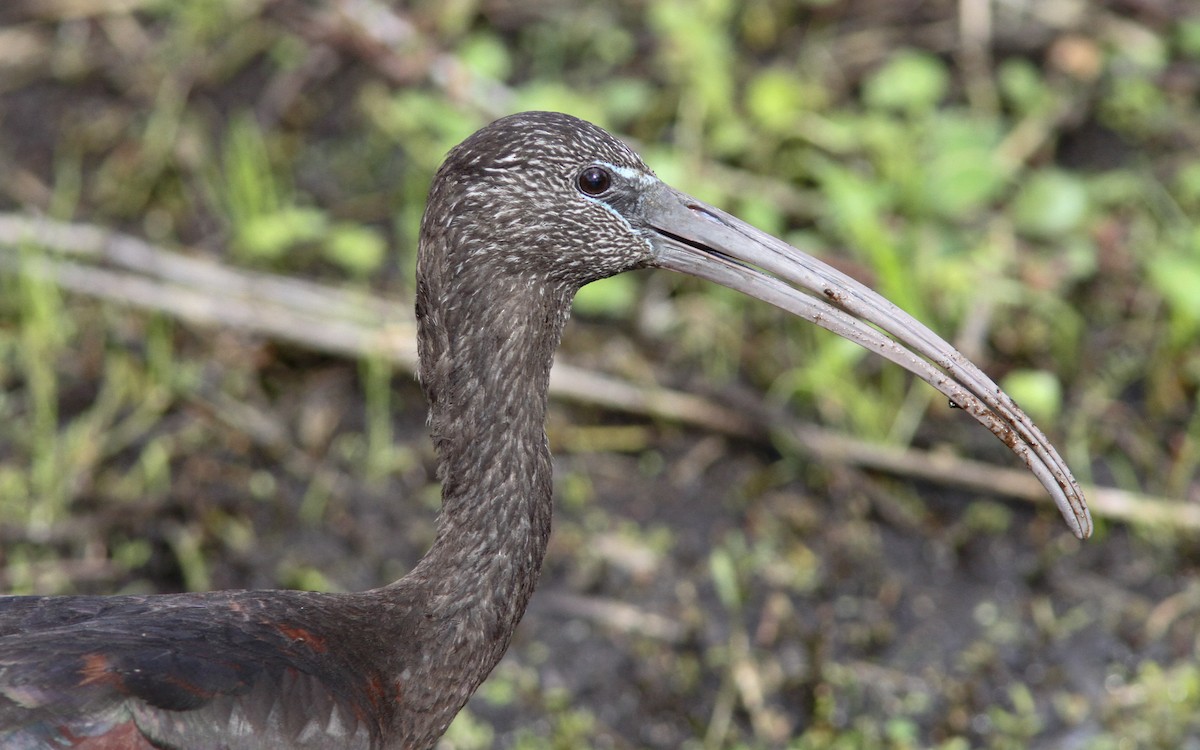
<point x="520" y="215"/>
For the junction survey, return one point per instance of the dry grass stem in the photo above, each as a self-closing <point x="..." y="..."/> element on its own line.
<point x="123" y="269"/>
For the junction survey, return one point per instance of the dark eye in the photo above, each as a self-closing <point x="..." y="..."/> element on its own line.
<point x="594" y="180"/>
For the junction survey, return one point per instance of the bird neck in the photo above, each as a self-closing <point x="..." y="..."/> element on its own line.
<point x="488" y="427"/>
<point x="485" y="366"/>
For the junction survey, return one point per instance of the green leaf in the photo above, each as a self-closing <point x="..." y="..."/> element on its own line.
<point x="725" y="579"/>
<point x="773" y="99"/>
<point x="1177" y="278"/>
<point x="1186" y="185"/>
<point x="1021" y="84"/>
<point x="485" y="55"/>
<point x="359" y="250"/>
<point x="911" y="81"/>
<point x="963" y="174"/>
<point x="959" y="186"/>
<point x="612" y="297"/>
<point x="269" y="236"/>
<point x="626" y="98"/>
<point x="1037" y="391"/>
<point x="1050" y="204"/>
<point x="1187" y="38"/>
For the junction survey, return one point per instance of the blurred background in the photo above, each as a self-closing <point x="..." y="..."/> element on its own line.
<point x="208" y="216"/>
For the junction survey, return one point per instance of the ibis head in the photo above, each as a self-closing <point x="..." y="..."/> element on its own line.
<point x="538" y="204"/>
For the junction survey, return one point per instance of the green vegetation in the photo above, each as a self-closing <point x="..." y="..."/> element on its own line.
<point x="1032" y="194"/>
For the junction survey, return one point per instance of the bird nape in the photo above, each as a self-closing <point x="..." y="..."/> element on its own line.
<point x="520" y="216"/>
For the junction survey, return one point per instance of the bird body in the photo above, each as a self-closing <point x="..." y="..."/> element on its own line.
<point x="219" y="669"/>
<point x="520" y="216"/>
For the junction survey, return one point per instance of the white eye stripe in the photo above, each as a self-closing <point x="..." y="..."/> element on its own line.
<point x="629" y="173"/>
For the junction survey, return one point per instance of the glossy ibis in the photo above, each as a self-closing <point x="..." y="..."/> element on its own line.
<point x="520" y="216"/>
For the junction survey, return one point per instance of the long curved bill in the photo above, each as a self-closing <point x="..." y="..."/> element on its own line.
<point x="700" y="240"/>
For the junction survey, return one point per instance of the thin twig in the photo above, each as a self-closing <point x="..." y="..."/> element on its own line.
<point x="123" y="269"/>
<point x="616" y="615"/>
<point x="948" y="469"/>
